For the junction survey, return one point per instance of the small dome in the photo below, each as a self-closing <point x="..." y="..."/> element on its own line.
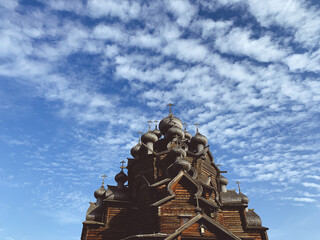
<point x="244" y="199"/>
<point x="253" y="219"/>
<point x="181" y="163"/>
<point x="149" y="137"/>
<point x="187" y="135"/>
<point x="121" y="177"/>
<point x="223" y="180"/>
<point x="199" y="139"/>
<point x="134" y="151"/>
<point x="99" y="193"/>
<point x="157" y="132"/>
<point x="178" y="151"/>
<point x="174" y="131"/>
<point x="168" y="122"/>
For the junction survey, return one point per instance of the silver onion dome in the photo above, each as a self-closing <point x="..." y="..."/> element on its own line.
<point x="174" y="131"/>
<point x="99" y="193"/>
<point x="223" y="180"/>
<point x="149" y="137"/>
<point x="135" y="150"/>
<point x="157" y="132"/>
<point x="168" y="122"/>
<point x="121" y="177"/>
<point x="177" y="151"/>
<point x="182" y="164"/>
<point x="199" y="139"/>
<point x="187" y="135"/>
<point x="244" y="199"/>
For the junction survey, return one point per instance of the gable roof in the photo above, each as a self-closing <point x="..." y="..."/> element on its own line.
<point x="175" y="181"/>
<point x="209" y="220"/>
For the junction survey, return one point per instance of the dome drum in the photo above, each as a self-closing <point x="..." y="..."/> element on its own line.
<point x="223" y="182"/>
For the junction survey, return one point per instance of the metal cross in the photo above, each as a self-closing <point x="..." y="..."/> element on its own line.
<point x="156" y="121"/>
<point x="185" y="126"/>
<point x="197" y="126"/>
<point x="103" y="177"/>
<point x="170" y="105"/>
<point x="149" y="124"/>
<point x="237" y="182"/>
<point x="140" y="136"/>
<point x="122" y="167"/>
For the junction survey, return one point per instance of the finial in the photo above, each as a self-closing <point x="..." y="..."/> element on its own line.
<point x="170" y="105"/>
<point x="197" y="126"/>
<point x="140" y="136"/>
<point x="156" y="121"/>
<point x="122" y="167"/>
<point x="149" y="122"/>
<point x="237" y="182"/>
<point x="185" y="126"/>
<point x="103" y="177"/>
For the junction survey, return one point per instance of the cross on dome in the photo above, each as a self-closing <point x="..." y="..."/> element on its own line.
<point x="185" y="126"/>
<point x="140" y="136"/>
<point x="149" y="122"/>
<point x="103" y="177"/>
<point x="237" y="182"/>
<point x="197" y="126"/>
<point x="170" y="105"/>
<point x="122" y="167"/>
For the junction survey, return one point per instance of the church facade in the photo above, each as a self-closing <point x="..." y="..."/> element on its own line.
<point x="174" y="190"/>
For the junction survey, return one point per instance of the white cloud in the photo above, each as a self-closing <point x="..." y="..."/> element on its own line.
<point x="311" y="185"/>
<point x="9" y="4"/>
<point x="107" y="32"/>
<point x="186" y="50"/>
<point x="125" y="10"/>
<point x="308" y="200"/>
<point x="304" y="62"/>
<point x="299" y="16"/>
<point x="182" y="10"/>
<point x="212" y="28"/>
<point x="240" y="42"/>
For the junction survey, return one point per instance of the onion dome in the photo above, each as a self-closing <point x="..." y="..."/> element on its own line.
<point x="223" y="180"/>
<point x="168" y="122"/>
<point x="121" y="177"/>
<point x="187" y="135"/>
<point x="199" y="139"/>
<point x="157" y="132"/>
<point x="99" y="193"/>
<point x="174" y="131"/>
<point x="178" y="151"/>
<point x="134" y="151"/>
<point x="244" y="199"/>
<point x="181" y="163"/>
<point x="149" y="137"/>
<point x="253" y="219"/>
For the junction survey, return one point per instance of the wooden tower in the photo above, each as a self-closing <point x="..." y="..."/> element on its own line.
<point x="175" y="191"/>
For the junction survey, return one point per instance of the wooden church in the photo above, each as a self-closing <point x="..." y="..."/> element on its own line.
<point x="174" y="190"/>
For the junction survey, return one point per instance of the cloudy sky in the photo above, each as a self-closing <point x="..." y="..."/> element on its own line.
<point x="80" y="78"/>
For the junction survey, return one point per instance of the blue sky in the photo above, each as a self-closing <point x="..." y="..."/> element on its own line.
<point x="79" y="79"/>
